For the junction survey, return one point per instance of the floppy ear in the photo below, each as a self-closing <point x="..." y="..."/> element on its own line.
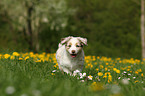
<point x="65" y="40"/>
<point x="83" y="40"/>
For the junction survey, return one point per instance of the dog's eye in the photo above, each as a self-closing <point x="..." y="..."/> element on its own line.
<point x="77" y="46"/>
<point x="69" y="45"/>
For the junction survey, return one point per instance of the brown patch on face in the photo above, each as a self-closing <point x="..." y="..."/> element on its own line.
<point x="68" y="45"/>
<point x="78" y="45"/>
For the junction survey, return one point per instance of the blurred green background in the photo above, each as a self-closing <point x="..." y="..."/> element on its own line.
<point x="112" y="27"/>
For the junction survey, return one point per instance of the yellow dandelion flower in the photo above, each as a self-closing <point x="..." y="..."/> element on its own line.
<point x="27" y="57"/>
<point x="86" y="67"/>
<point x="136" y="72"/>
<point x="6" y="56"/>
<point x="16" y="54"/>
<point x="114" y="69"/>
<point x="109" y="78"/>
<point x="136" y="81"/>
<point x="97" y="69"/>
<point x="101" y="66"/>
<point x="139" y="70"/>
<point x="12" y="57"/>
<point x="107" y="63"/>
<point x="117" y="58"/>
<point x="20" y="58"/>
<point x="98" y="57"/>
<point x="52" y="74"/>
<point x="105" y="76"/>
<point x="94" y="58"/>
<point x="128" y="69"/>
<point x="100" y="74"/>
<point x="106" y="69"/>
<point x="54" y="66"/>
<point x="95" y="63"/>
<point x="91" y="66"/>
<point x="120" y="61"/>
<point x="141" y="74"/>
<point x="117" y="71"/>
<point x="107" y="73"/>
<point x="38" y="61"/>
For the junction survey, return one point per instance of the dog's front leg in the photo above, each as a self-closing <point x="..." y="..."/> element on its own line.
<point x="63" y="69"/>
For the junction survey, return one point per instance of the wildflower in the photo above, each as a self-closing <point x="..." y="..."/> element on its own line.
<point x="12" y="57"/>
<point x="54" y="71"/>
<point x="86" y="67"/>
<point x="52" y="74"/>
<point x="129" y="74"/>
<point x="38" y="61"/>
<point x="100" y="74"/>
<point x="136" y="81"/>
<point x="136" y="72"/>
<point x="128" y="70"/>
<point x="16" y="54"/>
<point x="106" y="69"/>
<point x="94" y="58"/>
<point x="6" y="56"/>
<point x="101" y="66"/>
<point x="107" y="63"/>
<point x="82" y="81"/>
<point x="109" y="78"/>
<point x="114" y="69"/>
<point x="139" y="70"/>
<point x="117" y="71"/>
<point x="128" y="78"/>
<point x="97" y="69"/>
<point x="10" y="90"/>
<point x="141" y="74"/>
<point x="20" y="58"/>
<point x="27" y="57"/>
<point x="76" y="72"/>
<point x="124" y="72"/>
<point x="104" y="76"/>
<point x="95" y="63"/>
<point x="82" y="75"/>
<point x="119" y="77"/>
<point x="98" y="57"/>
<point x="129" y="67"/>
<point x="90" y="77"/>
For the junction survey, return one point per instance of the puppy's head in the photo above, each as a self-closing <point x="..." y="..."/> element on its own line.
<point x="74" y="45"/>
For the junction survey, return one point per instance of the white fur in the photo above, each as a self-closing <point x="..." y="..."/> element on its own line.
<point x="66" y="62"/>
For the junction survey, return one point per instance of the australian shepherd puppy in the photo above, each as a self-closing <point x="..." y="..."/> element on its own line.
<point x="70" y="54"/>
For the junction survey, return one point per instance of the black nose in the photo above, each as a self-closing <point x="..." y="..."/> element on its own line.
<point x="73" y="51"/>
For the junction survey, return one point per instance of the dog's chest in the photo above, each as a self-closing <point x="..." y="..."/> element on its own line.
<point x="71" y="62"/>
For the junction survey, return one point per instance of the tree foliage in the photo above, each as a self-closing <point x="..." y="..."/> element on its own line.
<point x="111" y="26"/>
<point x="27" y="16"/>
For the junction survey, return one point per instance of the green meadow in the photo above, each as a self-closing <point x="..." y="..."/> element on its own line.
<point x="29" y="74"/>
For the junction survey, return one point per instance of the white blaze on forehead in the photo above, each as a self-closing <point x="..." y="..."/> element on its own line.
<point x="74" y="41"/>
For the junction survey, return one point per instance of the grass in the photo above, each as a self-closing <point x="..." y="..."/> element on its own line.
<point x="29" y="74"/>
